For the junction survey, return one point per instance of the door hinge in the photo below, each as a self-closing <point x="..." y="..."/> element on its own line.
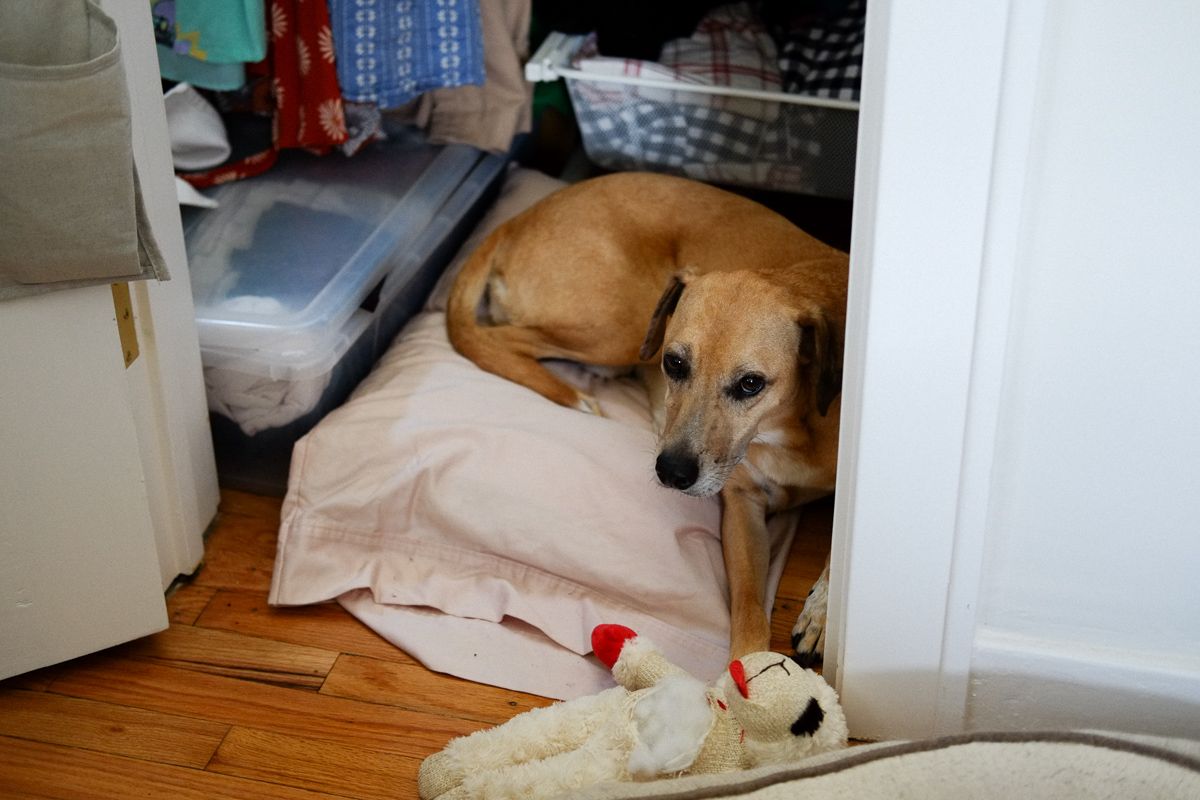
<point x="126" y="328"/>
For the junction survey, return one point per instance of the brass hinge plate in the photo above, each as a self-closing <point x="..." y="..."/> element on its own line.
<point x="126" y="328"/>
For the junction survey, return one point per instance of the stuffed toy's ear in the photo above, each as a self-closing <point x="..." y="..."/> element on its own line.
<point x="607" y="641"/>
<point x="737" y="671"/>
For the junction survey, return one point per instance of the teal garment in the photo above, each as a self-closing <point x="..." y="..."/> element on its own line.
<point x="208" y="42"/>
<point x="214" y="31"/>
<point x="219" y="77"/>
<point x="221" y="31"/>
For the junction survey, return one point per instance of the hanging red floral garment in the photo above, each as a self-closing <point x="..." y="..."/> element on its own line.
<point x="308" y="111"/>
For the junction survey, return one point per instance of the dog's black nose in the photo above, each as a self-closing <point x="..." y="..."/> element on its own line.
<point x="677" y="470"/>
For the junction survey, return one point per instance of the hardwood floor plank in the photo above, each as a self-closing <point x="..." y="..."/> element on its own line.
<point x="36" y="681"/>
<point x="783" y="617"/>
<point x="413" y="686"/>
<point x="327" y="624"/>
<point x="144" y="684"/>
<point x="119" y="730"/>
<point x="810" y="549"/>
<point x="187" y="602"/>
<point x="34" y="769"/>
<point x="317" y="764"/>
<point x="98" y="726"/>
<point x="236" y="655"/>
<point x="240" y="551"/>
<point x="253" y="505"/>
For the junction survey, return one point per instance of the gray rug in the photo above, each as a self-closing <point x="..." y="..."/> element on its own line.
<point x="1030" y="766"/>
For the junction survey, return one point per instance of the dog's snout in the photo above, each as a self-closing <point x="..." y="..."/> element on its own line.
<point x="677" y="469"/>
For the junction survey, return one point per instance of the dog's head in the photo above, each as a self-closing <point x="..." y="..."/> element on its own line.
<point x="738" y="349"/>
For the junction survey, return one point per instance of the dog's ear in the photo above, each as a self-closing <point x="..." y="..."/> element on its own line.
<point x="821" y="351"/>
<point x="658" y="322"/>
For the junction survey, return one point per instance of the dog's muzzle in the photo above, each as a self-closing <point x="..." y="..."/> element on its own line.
<point x="677" y="470"/>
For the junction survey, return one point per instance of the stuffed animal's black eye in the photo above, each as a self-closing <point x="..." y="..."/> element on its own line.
<point x="809" y="720"/>
<point x="749" y="385"/>
<point x="675" y="367"/>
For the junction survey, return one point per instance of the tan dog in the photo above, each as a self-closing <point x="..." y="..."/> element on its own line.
<point x="745" y="313"/>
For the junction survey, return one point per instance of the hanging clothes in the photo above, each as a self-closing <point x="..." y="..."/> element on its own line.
<point x="307" y="110"/>
<point x="220" y="31"/>
<point x="391" y="51"/>
<point x="486" y="116"/>
<point x="208" y="42"/>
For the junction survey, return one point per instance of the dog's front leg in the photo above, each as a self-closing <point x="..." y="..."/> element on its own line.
<point x="747" y="550"/>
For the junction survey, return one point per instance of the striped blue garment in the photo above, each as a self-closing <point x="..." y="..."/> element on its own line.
<point x="390" y="51"/>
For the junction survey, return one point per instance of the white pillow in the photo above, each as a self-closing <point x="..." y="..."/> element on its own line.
<point x="486" y="530"/>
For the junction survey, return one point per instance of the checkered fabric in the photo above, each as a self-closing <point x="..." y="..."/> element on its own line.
<point x="729" y="48"/>
<point x="824" y="59"/>
<point x="799" y="148"/>
<point x="713" y="137"/>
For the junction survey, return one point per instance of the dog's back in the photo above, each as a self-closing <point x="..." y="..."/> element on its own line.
<point x="577" y="276"/>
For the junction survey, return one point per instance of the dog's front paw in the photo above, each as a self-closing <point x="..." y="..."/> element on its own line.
<point x="588" y="405"/>
<point x="808" y="636"/>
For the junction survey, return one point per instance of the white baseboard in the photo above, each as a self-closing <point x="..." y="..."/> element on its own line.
<point x="1023" y="682"/>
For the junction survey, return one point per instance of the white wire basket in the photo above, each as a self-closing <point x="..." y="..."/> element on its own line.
<point x="718" y="134"/>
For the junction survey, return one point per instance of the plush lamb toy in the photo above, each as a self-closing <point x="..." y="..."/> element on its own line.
<point x="659" y="722"/>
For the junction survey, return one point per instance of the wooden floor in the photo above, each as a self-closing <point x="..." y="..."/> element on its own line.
<point x="239" y="700"/>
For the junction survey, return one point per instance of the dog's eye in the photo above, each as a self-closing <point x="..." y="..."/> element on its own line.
<point x="675" y="367"/>
<point x="749" y="386"/>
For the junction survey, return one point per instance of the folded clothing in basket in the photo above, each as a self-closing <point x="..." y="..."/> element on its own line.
<point x="681" y="125"/>
<point x="729" y="48"/>
<point x="823" y="57"/>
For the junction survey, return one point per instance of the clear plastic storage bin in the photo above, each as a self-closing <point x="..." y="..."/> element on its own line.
<point x="303" y="276"/>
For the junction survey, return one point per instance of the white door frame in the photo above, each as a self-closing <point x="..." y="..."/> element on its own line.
<point x="937" y="212"/>
<point x="166" y="383"/>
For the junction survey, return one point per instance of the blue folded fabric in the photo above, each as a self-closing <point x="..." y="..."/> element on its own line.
<point x="391" y="51"/>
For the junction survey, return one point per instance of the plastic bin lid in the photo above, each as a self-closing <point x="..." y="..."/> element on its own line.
<point x="264" y="365"/>
<point x="288" y="256"/>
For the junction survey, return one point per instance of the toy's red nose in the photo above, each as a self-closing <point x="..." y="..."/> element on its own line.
<point x="738" y="673"/>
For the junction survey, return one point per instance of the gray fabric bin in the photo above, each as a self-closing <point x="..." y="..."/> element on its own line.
<point x="70" y="208"/>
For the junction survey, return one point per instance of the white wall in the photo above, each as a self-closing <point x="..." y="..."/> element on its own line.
<point x="1093" y="546"/>
<point x="1017" y="535"/>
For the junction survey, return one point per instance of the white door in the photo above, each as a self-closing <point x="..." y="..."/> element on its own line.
<point x="78" y="564"/>
<point x="107" y="480"/>
<point x="1017" y="532"/>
